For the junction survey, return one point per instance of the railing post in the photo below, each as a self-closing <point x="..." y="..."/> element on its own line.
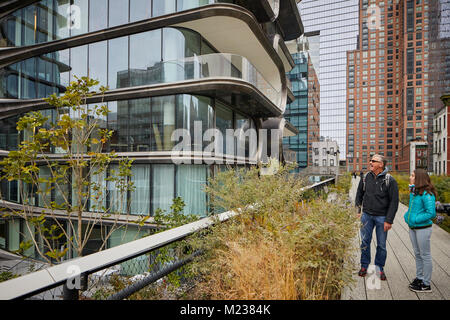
<point x="69" y="294"/>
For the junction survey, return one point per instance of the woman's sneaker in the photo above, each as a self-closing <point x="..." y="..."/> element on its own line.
<point x="415" y="282"/>
<point x="421" y="287"/>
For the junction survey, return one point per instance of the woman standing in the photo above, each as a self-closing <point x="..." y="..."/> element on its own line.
<point x="418" y="217"/>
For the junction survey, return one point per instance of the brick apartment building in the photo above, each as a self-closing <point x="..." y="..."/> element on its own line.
<point x="387" y="83"/>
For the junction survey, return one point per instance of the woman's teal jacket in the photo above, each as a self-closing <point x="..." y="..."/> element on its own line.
<point x="421" y="210"/>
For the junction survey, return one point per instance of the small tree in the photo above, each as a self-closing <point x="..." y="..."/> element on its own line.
<point x="67" y="155"/>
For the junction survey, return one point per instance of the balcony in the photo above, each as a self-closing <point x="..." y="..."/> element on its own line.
<point x="219" y="74"/>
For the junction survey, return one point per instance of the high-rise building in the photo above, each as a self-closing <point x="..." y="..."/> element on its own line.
<point x="388" y="83"/>
<point x="332" y="29"/>
<point x="439" y="78"/>
<point x="304" y="111"/>
<point x="167" y="64"/>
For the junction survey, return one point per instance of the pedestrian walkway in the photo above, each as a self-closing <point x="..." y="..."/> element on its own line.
<point x="400" y="265"/>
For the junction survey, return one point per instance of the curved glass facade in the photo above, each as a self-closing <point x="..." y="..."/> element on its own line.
<point x="50" y="20"/>
<point x="121" y="62"/>
<point x="156" y="185"/>
<point x="147" y="124"/>
<point x="153" y="57"/>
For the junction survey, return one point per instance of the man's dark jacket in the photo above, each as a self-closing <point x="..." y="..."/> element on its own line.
<point x="377" y="199"/>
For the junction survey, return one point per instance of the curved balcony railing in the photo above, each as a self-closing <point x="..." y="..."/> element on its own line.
<point x="214" y="65"/>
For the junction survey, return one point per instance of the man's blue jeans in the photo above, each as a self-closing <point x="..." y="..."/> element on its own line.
<point x="368" y="223"/>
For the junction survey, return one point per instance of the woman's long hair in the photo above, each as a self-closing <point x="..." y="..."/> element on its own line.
<point x="423" y="183"/>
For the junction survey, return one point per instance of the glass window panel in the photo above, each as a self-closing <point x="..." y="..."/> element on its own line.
<point x="163" y="7"/>
<point x="62" y="18"/>
<point x="139" y="125"/>
<point x="242" y="141"/>
<point x="44" y="187"/>
<point x="224" y="121"/>
<point x="118" y="12"/>
<point x="163" y="122"/>
<point x="12" y="86"/>
<point x="145" y="58"/>
<point x="79" y="17"/>
<point x="140" y="197"/>
<point x="191" y="109"/>
<point x="191" y="180"/>
<point x="122" y="126"/>
<point x="62" y="192"/>
<point x="62" y="69"/>
<point x="140" y="10"/>
<point x="98" y="63"/>
<point x="177" y="45"/>
<point x="29" y="15"/>
<point x="163" y="177"/>
<point x="189" y="4"/>
<point x="45" y="22"/>
<point x="118" y="63"/>
<point x="117" y="199"/>
<point x="98" y="15"/>
<point x="78" y="62"/>
<point x="28" y="87"/>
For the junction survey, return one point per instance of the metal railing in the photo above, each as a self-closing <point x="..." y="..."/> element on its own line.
<point x="130" y="262"/>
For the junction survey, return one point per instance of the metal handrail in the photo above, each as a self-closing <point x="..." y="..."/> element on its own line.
<point x="37" y="282"/>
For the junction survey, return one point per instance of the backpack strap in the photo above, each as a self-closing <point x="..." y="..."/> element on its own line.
<point x="387" y="179"/>
<point x="364" y="181"/>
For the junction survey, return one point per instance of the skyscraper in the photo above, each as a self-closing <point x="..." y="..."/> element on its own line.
<point x="332" y="28"/>
<point x="304" y="111"/>
<point x="388" y="84"/>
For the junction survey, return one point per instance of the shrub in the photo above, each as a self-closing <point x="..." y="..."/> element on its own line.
<point x="279" y="247"/>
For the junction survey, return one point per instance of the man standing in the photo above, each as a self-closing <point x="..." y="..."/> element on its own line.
<point x="378" y="195"/>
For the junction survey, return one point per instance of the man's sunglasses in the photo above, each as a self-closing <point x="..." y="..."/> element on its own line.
<point x="374" y="160"/>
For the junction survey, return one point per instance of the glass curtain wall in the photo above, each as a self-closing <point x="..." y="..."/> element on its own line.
<point x="140" y="197"/>
<point x="147" y="124"/>
<point x="49" y="20"/>
<point x="163" y="186"/>
<point x="191" y="181"/>
<point x="158" y="56"/>
<point x="224" y="121"/>
<point x="163" y="123"/>
<point x="192" y="112"/>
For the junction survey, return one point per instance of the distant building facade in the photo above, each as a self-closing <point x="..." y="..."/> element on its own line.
<point x="325" y="153"/>
<point x="388" y="83"/>
<point x="441" y="144"/>
<point x="304" y="111"/>
<point x="332" y="29"/>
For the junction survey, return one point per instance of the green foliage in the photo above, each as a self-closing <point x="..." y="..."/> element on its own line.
<point x="170" y="253"/>
<point x="77" y="178"/>
<point x="441" y="183"/>
<point x="6" y="275"/>
<point x="281" y="246"/>
<point x="344" y="183"/>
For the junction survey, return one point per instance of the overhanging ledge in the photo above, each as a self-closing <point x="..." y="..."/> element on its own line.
<point x="252" y="101"/>
<point x="252" y="43"/>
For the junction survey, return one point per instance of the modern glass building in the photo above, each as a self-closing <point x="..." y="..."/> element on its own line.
<point x="167" y="64"/>
<point x="304" y="111"/>
<point x="332" y="28"/>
